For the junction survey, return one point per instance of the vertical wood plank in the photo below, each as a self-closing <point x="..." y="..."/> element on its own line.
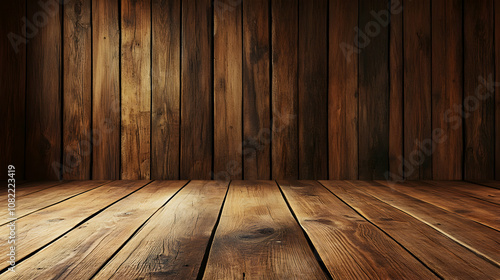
<point x="479" y="103"/>
<point x="166" y="60"/>
<point x="447" y="90"/>
<point x="196" y="92"/>
<point x="13" y="85"/>
<point x="497" y="89"/>
<point x="313" y="89"/>
<point x="374" y="90"/>
<point x="417" y="90"/>
<point x="284" y="16"/>
<point x="106" y="90"/>
<point x="256" y="90"/>
<point x="43" y="93"/>
<point x="136" y="89"/>
<point x="228" y="90"/>
<point x="77" y="86"/>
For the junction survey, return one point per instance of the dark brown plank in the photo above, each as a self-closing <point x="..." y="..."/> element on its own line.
<point x="13" y="85"/>
<point x="43" y="95"/>
<point x="77" y="87"/>
<point x="228" y="92"/>
<point x="256" y="91"/>
<point x="417" y="90"/>
<point x="497" y="90"/>
<point x="166" y="89"/>
<point x="443" y="255"/>
<point x="284" y="36"/>
<point x="343" y="90"/>
<point x="106" y="90"/>
<point x="171" y="244"/>
<point x="374" y="91"/>
<point x="479" y="191"/>
<point x="479" y="100"/>
<point x="447" y="90"/>
<point x="136" y="89"/>
<point x="340" y="236"/>
<point x="313" y="89"/>
<point x="196" y="90"/>
<point x="258" y="238"/>
<point x="70" y="256"/>
<point x="493" y="184"/>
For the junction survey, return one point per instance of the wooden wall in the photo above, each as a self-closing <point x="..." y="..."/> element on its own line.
<point x="251" y="89"/>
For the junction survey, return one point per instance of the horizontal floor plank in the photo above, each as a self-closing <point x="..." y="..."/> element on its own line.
<point x="478" y="191"/>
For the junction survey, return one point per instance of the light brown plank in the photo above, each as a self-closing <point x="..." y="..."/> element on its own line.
<point x="258" y="238"/>
<point x="350" y="246"/>
<point x="136" y="89"/>
<point x="485" y="193"/>
<point x="38" y="229"/>
<point x="32" y="187"/>
<point x="80" y="253"/>
<point x="443" y="255"/>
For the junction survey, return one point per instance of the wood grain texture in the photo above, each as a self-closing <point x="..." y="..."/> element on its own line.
<point x="106" y="107"/>
<point x="13" y="85"/>
<point x="339" y="235"/>
<point x="228" y="91"/>
<point x="136" y="89"/>
<point x="256" y="90"/>
<point x="479" y="100"/>
<point x="94" y="241"/>
<point x="166" y="89"/>
<point x="417" y="90"/>
<point x="171" y="245"/>
<point x="343" y="90"/>
<point x="43" y="93"/>
<point x="374" y="91"/>
<point x="443" y="255"/>
<point x="313" y="89"/>
<point x="77" y="88"/>
<point x="482" y="192"/>
<point x="284" y="36"/>
<point x="258" y="238"/>
<point x="447" y="89"/>
<point x="497" y="89"/>
<point x="196" y="90"/>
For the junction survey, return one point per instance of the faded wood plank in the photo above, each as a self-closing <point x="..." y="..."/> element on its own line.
<point x="350" y="246"/>
<point x="479" y="191"/>
<point x="443" y="255"/>
<point x="196" y="90"/>
<point x="43" y="95"/>
<point x="38" y="229"/>
<point x="80" y="253"/>
<point x="136" y="89"/>
<point x="343" y="90"/>
<point x="256" y="90"/>
<point x="313" y="89"/>
<point x="228" y="91"/>
<point x="166" y="89"/>
<point x="258" y="238"/>
<point x="77" y="88"/>
<point x="106" y="90"/>
<point x="284" y="36"/>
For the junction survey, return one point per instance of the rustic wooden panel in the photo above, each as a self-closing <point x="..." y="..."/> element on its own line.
<point x="13" y="85"/>
<point x="196" y="90"/>
<point x="374" y="90"/>
<point x="447" y="90"/>
<point x="136" y="89"/>
<point x="166" y="89"/>
<point x="497" y="89"/>
<point x="77" y="88"/>
<point x="228" y="91"/>
<point x="43" y="93"/>
<point x="417" y="90"/>
<point x="284" y="36"/>
<point x="479" y="100"/>
<point x="106" y="90"/>
<point x="313" y="89"/>
<point x="343" y="90"/>
<point x="256" y="90"/>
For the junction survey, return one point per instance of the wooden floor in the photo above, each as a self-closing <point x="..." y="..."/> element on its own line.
<point x="254" y="230"/>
